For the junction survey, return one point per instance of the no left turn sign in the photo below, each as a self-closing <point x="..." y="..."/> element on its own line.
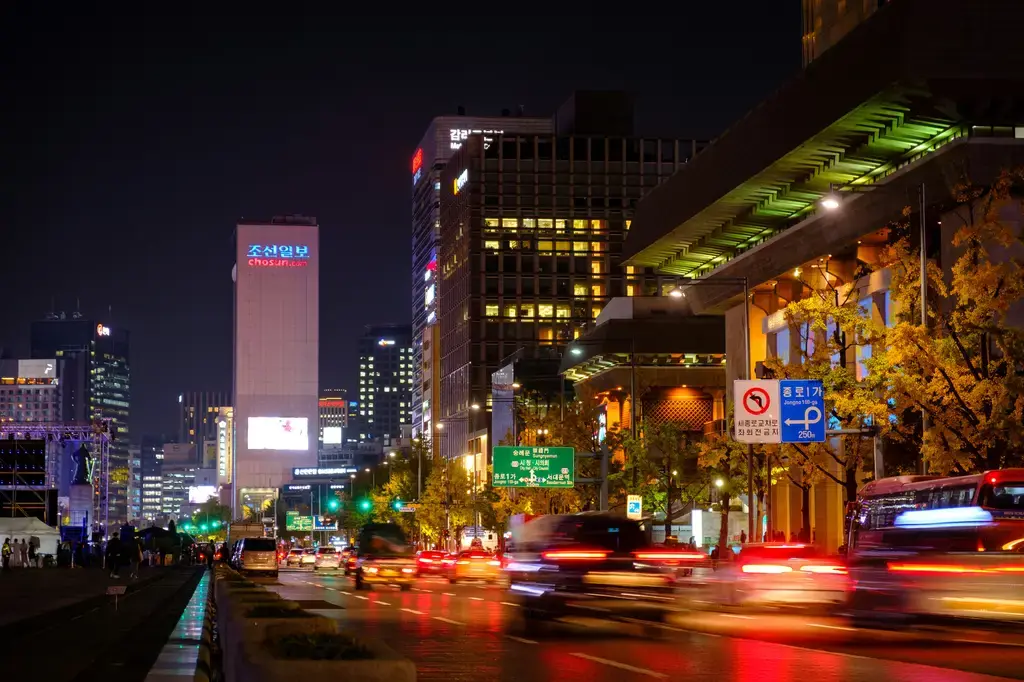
<point x="756" y="400"/>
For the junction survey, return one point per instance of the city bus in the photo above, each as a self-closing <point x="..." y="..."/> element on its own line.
<point x="1000" y="493"/>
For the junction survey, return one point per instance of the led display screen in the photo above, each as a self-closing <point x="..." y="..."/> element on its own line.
<point x="198" y="494"/>
<point x="279" y="433"/>
<point x="332" y="435"/>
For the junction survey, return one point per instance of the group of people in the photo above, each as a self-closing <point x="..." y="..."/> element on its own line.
<point x="18" y="554"/>
<point x="121" y="554"/>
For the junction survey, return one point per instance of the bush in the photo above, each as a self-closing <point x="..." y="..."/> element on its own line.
<point x="319" y="646"/>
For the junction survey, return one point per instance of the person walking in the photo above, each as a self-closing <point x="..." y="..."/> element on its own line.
<point x="6" y="552"/>
<point x="33" y="557"/>
<point x="134" y="551"/>
<point x="113" y="556"/>
<point x="23" y="552"/>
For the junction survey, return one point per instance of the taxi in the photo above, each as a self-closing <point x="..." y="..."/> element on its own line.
<point x="475" y="564"/>
<point x="384" y="557"/>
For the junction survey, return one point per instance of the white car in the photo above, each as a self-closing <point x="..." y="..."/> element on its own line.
<point x="778" y="575"/>
<point x="327" y="557"/>
<point x="308" y="558"/>
<point x="294" y="557"/>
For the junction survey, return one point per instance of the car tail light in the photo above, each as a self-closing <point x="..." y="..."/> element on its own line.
<point x="576" y="555"/>
<point x="823" y="568"/>
<point x="424" y="560"/>
<point x="766" y="568"/>
<point x="935" y="568"/>
<point x="462" y="562"/>
<point x="668" y="556"/>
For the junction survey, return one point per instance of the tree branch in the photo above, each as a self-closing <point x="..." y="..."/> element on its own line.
<point x="963" y="351"/>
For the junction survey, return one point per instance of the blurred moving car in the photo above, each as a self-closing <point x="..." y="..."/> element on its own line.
<point x="430" y="562"/>
<point x="475" y="564"/>
<point x="777" y="574"/>
<point x="384" y="557"/>
<point x="308" y="558"/>
<point x="257" y="555"/>
<point x="294" y="557"/>
<point x="350" y="558"/>
<point x="327" y="557"/>
<point x="562" y="564"/>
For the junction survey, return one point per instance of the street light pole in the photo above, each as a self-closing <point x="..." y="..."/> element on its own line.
<point x="923" y="224"/>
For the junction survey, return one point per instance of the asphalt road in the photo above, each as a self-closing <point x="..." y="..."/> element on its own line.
<point x="472" y="633"/>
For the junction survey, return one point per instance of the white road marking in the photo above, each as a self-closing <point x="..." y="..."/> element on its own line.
<point x="832" y="627"/>
<point x="983" y="643"/>
<point x="508" y="603"/>
<point x="521" y="639"/>
<point x="477" y="598"/>
<point x="448" y="620"/>
<point x="448" y="594"/>
<point x="621" y="666"/>
<point x="382" y="603"/>
<point x="413" y="611"/>
<point x="359" y="596"/>
<point x="735" y="615"/>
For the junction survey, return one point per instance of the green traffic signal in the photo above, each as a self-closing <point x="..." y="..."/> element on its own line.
<point x="215" y="524"/>
<point x="397" y="505"/>
<point x="332" y="504"/>
<point x="365" y="505"/>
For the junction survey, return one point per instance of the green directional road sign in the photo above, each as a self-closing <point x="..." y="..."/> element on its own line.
<point x="536" y="466"/>
<point x="295" y="522"/>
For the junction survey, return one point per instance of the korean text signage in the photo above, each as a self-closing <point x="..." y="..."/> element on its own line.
<point x="295" y="522"/>
<point x="417" y="166"/>
<point x="460" y="181"/>
<point x="786" y="411"/>
<point x="278" y="255"/>
<point x="634" y="507"/>
<point x="306" y="472"/>
<point x="534" y="467"/>
<point x="459" y="135"/>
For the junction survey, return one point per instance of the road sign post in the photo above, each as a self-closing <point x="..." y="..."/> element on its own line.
<point x="536" y="466"/>
<point x="756" y="411"/>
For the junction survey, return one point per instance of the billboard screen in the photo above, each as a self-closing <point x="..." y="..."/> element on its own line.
<point x="279" y="433"/>
<point x="37" y="369"/>
<point x="198" y="494"/>
<point x="332" y="435"/>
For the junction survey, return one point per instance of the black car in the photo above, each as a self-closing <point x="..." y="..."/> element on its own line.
<point x="562" y="565"/>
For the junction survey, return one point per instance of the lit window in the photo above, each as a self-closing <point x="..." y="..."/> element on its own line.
<point x="576" y="333"/>
<point x="596" y="225"/>
<point x="492" y="244"/>
<point x="545" y="247"/>
<point x="491" y="310"/>
<point x="545" y="334"/>
<point x="580" y="247"/>
<point x="579" y="289"/>
<point x="513" y="244"/>
<point x="630" y="290"/>
<point x="560" y="224"/>
<point x="491" y="222"/>
<point x="526" y="310"/>
<point x="630" y="270"/>
<point x="596" y="267"/>
<point x="510" y="310"/>
<point x="628" y="223"/>
<point x="545" y="310"/>
<point x="563" y="311"/>
<point x="597" y="246"/>
<point x="579" y="225"/>
<point x="597" y="290"/>
<point x="529" y="222"/>
<point x="510" y="222"/>
<point x="562" y="246"/>
<point x="545" y="223"/>
<point x="595" y="311"/>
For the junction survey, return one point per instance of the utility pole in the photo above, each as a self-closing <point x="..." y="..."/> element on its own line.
<point x="922" y="467"/>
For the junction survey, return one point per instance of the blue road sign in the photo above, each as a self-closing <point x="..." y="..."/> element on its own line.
<point x="802" y="411"/>
<point x="633" y="507"/>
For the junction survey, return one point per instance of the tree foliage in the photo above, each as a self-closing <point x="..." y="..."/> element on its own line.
<point x="964" y="369"/>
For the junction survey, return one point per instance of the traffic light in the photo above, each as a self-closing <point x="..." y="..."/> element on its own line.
<point x="333" y="504"/>
<point x="365" y="505"/>
<point x="186" y="526"/>
<point x="214" y="524"/>
<point x="397" y="505"/>
<point x="202" y="527"/>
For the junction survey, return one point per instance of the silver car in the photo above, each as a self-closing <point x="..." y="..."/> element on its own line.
<point x="258" y="555"/>
<point x="327" y="557"/>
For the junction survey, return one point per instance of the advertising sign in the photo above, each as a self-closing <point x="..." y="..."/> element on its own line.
<point x="37" y="369"/>
<point x="279" y="433"/>
<point x="306" y="472"/>
<point x="537" y="466"/>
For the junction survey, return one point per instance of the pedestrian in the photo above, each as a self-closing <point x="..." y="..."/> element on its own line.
<point x="23" y="552"/>
<point x="32" y="556"/>
<point x="134" y="558"/>
<point x="113" y="556"/>
<point x="6" y="551"/>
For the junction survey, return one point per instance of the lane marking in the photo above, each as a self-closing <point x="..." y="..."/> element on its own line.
<point x="508" y="603"/>
<point x="521" y="639"/>
<point x="477" y="598"/>
<point x="359" y="596"/>
<point x="382" y="603"/>
<point x="621" y="666"/>
<point x="448" y="594"/>
<point x="735" y="615"/>
<point x="983" y="643"/>
<point x="831" y="627"/>
<point x="448" y="620"/>
<point x="413" y="611"/>
<point x="345" y="592"/>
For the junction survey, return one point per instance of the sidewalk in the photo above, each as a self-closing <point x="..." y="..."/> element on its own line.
<point x="28" y="593"/>
<point x="178" y="658"/>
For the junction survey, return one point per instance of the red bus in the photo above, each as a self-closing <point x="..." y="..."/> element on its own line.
<point x="999" y="493"/>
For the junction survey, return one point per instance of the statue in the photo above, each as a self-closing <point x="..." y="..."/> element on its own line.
<point x="83" y="466"/>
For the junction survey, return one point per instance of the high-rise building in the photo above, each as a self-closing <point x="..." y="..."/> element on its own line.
<point x="197" y="416"/>
<point x="95" y="380"/>
<point x="385" y="381"/>
<point x="151" y="456"/>
<point x="532" y="228"/>
<point x="276" y="354"/>
<point x="825" y="22"/>
<point x="30" y="392"/>
<point x="444" y="136"/>
<point x="333" y="417"/>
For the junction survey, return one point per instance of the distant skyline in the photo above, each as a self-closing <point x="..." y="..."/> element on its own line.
<point x="135" y="145"/>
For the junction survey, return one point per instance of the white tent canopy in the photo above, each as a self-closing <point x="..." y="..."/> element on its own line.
<point x="16" y="528"/>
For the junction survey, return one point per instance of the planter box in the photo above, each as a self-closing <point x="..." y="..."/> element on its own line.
<point x="256" y="664"/>
<point x="243" y="631"/>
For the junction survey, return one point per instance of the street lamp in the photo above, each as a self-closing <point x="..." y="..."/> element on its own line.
<point x="719" y="483"/>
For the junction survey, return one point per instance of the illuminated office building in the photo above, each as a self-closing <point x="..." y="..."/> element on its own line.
<point x="385" y="382"/>
<point x="532" y="228"/>
<point x="276" y="355"/>
<point x="444" y="136"/>
<point x="825" y="22"/>
<point x="95" y="384"/>
<point x="197" y="417"/>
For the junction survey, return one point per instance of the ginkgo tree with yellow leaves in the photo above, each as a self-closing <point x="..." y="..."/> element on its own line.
<point x="965" y="369"/>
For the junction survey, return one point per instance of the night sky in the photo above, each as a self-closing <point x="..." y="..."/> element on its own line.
<point x="132" y="144"/>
